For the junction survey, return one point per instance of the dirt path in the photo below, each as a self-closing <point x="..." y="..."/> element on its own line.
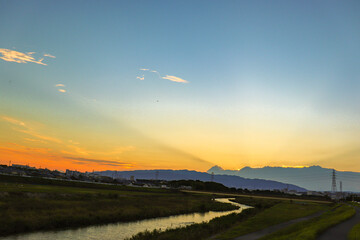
<point x="340" y="231"/>
<point x="266" y="231"/>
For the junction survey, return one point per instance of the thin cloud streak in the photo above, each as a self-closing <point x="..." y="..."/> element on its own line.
<point x="28" y="130"/>
<point x="175" y="79"/>
<point x="167" y="77"/>
<point x="13" y="121"/>
<point x="100" y="161"/>
<point x="49" y="55"/>
<point x="19" y="57"/>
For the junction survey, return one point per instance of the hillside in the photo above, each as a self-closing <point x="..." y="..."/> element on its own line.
<point x="227" y="180"/>
<point x="312" y="178"/>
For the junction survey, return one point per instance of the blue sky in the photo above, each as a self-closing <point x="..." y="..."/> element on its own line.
<point x="268" y="82"/>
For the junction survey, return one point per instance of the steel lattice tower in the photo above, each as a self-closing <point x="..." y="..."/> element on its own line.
<point x="333" y="184"/>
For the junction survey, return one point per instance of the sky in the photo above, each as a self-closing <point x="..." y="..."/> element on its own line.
<point x="125" y="85"/>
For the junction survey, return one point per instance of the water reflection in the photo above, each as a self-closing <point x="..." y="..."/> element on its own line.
<point x="125" y="230"/>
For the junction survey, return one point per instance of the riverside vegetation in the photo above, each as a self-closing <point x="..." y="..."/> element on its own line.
<point x="266" y="212"/>
<point x="354" y="234"/>
<point x="32" y="204"/>
<point x="26" y="207"/>
<point x="312" y="228"/>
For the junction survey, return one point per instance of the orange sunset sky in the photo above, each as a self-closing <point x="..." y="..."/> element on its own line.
<point x="130" y="85"/>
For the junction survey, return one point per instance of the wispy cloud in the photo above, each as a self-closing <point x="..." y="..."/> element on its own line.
<point x="13" y="121"/>
<point x="16" y="148"/>
<point x="62" y="90"/>
<point x="167" y="77"/>
<point x="77" y="150"/>
<point x="175" y="79"/>
<point x="34" y="140"/>
<point x="19" y="57"/>
<point x="100" y="161"/>
<point x="23" y="128"/>
<point x="49" y="55"/>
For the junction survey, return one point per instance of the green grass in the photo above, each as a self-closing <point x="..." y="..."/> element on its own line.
<point x="276" y="214"/>
<point x="31" y="207"/>
<point x="248" y="217"/>
<point x="309" y="230"/>
<point x="47" y="184"/>
<point x="215" y="226"/>
<point x="354" y="234"/>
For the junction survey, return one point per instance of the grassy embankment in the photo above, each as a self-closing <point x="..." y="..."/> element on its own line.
<point x="206" y="230"/>
<point x="197" y="231"/>
<point x="354" y="233"/>
<point x="264" y="213"/>
<point x="309" y="230"/>
<point x="281" y="212"/>
<point x="28" y="207"/>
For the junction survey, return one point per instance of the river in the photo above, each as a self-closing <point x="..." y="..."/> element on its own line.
<point x="125" y="230"/>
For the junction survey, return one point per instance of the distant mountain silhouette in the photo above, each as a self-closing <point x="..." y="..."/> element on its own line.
<point x="312" y="178"/>
<point x="227" y="180"/>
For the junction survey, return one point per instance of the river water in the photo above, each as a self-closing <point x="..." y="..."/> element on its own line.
<point x="125" y="230"/>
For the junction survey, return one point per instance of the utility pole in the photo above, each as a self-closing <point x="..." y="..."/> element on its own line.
<point x="156" y="175"/>
<point x="341" y="192"/>
<point x="340" y="186"/>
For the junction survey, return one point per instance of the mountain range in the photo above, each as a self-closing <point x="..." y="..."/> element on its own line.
<point x="225" y="179"/>
<point x="313" y="178"/>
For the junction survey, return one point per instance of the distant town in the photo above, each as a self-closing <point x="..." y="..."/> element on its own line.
<point x="93" y="177"/>
<point x="71" y="175"/>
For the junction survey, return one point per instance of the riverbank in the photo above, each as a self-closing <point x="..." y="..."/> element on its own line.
<point x="35" y="207"/>
<point x="313" y="228"/>
<point x="198" y="231"/>
<point x="281" y="212"/>
<point x="266" y="212"/>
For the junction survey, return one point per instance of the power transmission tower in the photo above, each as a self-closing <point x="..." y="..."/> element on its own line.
<point x="212" y="177"/>
<point x="333" y="185"/>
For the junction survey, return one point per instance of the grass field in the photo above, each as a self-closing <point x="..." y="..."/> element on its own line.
<point x="309" y="230"/>
<point x="30" y="207"/>
<point x="354" y="234"/>
<point x="206" y="230"/>
<point x="281" y="212"/>
<point x="263" y="214"/>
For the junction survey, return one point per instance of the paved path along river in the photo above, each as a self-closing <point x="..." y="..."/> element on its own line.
<point x="277" y="227"/>
<point x="340" y="231"/>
